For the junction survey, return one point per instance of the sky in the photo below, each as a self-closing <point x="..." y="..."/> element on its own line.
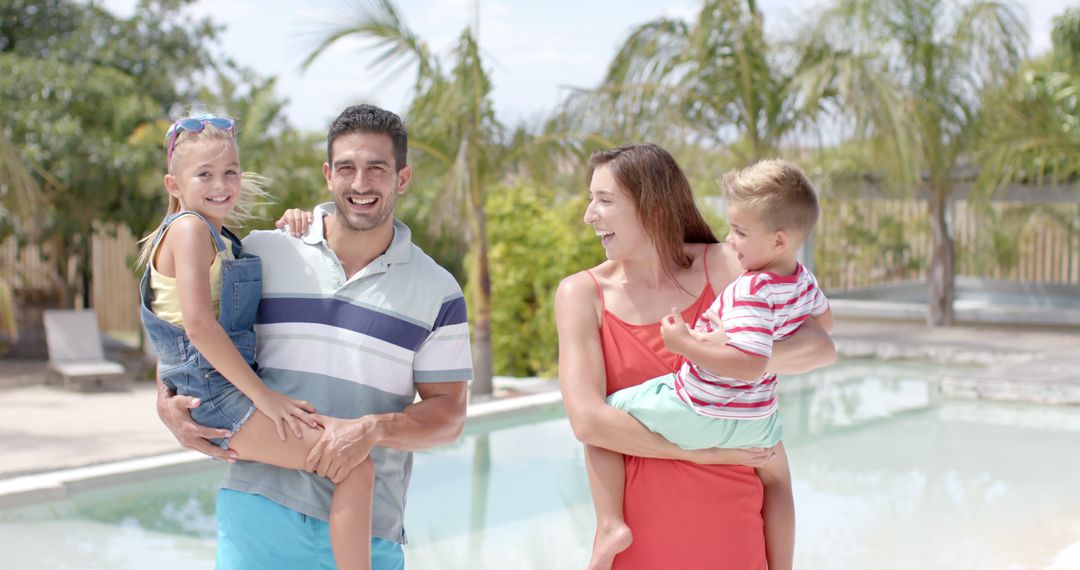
<point x="535" y="50"/>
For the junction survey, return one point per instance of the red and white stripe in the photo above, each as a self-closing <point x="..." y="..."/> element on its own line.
<point x="756" y="310"/>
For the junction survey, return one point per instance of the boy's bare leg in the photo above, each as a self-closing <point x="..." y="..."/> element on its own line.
<point x="350" y="510"/>
<point x="607" y="480"/>
<point x="779" y="511"/>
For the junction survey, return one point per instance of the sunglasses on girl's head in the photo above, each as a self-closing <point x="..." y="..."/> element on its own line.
<point x="194" y="125"/>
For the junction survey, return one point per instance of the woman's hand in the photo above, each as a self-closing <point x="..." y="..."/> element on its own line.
<point x="295" y="221"/>
<point x="283" y="410"/>
<point x="749" y="456"/>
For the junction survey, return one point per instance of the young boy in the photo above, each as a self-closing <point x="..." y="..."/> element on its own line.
<point x="723" y="395"/>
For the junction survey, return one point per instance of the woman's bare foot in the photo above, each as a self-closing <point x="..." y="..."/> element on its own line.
<point x="611" y="539"/>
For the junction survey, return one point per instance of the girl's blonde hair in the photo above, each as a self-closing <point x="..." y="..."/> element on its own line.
<point x="252" y="186"/>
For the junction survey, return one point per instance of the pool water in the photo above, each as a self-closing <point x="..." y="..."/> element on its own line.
<point x="887" y="474"/>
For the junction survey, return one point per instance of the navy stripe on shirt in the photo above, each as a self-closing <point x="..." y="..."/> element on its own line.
<point x="452" y="312"/>
<point x="343" y="315"/>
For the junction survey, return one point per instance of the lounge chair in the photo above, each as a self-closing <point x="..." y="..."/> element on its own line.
<point x="76" y="353"/>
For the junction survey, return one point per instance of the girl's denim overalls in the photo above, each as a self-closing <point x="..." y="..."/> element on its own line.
<point x="180" y="366"/>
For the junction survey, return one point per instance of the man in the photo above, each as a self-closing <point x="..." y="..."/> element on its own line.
<point x="356" y="320"/>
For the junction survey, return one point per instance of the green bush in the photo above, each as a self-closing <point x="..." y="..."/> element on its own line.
<point x="536" y="241"/>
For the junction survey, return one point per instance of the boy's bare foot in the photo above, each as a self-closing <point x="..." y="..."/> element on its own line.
<point x="611" y="539"/>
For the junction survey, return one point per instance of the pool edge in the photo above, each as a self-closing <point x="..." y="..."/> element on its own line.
<point x="55" y="485"/>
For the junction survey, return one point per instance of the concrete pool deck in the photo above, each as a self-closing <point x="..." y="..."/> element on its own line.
<point x="1039" y="365"/>
<point x="55" y="440"/>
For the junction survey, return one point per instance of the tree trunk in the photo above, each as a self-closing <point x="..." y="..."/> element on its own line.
<point x="62" y="274"/>
<point x="480" y="281"/>
<point x="942" y="273"/>
<point x="481" y="485"/>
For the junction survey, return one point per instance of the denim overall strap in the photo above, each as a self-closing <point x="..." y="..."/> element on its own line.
<point x="233" y="240"/>
<point x="241" y="292"/>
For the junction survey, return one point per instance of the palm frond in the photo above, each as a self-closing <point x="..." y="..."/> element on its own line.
<point x="21" y="196"/>
<point x="379" y="22"/>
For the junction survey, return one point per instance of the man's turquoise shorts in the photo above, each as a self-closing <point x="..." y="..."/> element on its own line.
<point x="655" y="404"/>
<point x="255" y="533"/>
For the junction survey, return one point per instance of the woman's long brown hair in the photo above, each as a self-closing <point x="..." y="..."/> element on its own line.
<point x="661" y="192"/>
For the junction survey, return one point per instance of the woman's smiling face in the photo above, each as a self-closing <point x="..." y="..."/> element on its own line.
<point x="613" y="214"/>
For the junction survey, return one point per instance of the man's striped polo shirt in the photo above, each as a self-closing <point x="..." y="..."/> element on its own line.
<point x="352" y="347"/>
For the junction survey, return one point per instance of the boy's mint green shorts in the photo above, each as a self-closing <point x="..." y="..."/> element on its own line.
<point x="655" y="404"/>
<point x="255" y="533"/>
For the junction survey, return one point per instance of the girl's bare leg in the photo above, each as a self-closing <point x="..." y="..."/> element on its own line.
<point x="607" y="480"/>
<point x="350" y="518"/>
<point x="779" y="511"/>
<point x="350" y="511"/>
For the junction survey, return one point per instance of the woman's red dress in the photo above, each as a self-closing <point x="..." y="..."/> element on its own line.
<point x="683" y="515"/>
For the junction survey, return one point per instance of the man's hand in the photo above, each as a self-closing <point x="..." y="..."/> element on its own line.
<point x="344" y="445"/>
<point x="175" y="413"/>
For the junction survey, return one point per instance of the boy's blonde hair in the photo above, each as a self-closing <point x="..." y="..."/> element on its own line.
<point x="252" y="186"/>
<point x="776" y="190"/>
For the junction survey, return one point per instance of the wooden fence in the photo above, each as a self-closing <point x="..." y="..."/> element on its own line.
<point x="863" y="242"/>
<point x="114" y="291"/>
<point x="115" y="285"/>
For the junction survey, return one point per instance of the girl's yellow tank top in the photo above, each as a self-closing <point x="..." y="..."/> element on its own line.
<point x="166" y="303"/>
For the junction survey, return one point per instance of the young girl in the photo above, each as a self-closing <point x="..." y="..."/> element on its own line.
<point x="200" y="294"/>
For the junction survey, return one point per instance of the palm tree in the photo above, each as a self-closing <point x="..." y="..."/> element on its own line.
<point x="453" y="126"/>
<point x="20" y="203"/>
<point x="20" y="195"/>
<point x="907" y="76"/>
<point x="1036" y="135"/>
<point x="717" y="80"/>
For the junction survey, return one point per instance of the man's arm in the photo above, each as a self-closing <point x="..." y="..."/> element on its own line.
<point x="436" y="419"/>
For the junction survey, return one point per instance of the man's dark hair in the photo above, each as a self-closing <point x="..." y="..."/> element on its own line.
<point x="370" y="119"/>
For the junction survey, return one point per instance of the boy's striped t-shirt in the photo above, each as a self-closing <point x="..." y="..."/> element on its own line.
<point x="756" y="310"/>
<point x="352" y="346"/>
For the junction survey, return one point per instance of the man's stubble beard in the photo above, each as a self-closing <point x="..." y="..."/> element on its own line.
<point x="368" y="223"/>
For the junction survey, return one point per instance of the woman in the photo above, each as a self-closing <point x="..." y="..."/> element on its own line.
<point x="685" y="509"/>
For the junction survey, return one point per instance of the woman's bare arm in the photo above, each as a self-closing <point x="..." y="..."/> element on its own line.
<point x="809" y="348"/>
<point x="582" y="378"/>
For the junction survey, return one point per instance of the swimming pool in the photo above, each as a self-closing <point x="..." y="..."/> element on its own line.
<point x="887" y="475"/>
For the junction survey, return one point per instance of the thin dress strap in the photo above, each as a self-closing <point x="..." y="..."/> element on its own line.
<point x="599" y="291"/>
<point x="708" y="281"/>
